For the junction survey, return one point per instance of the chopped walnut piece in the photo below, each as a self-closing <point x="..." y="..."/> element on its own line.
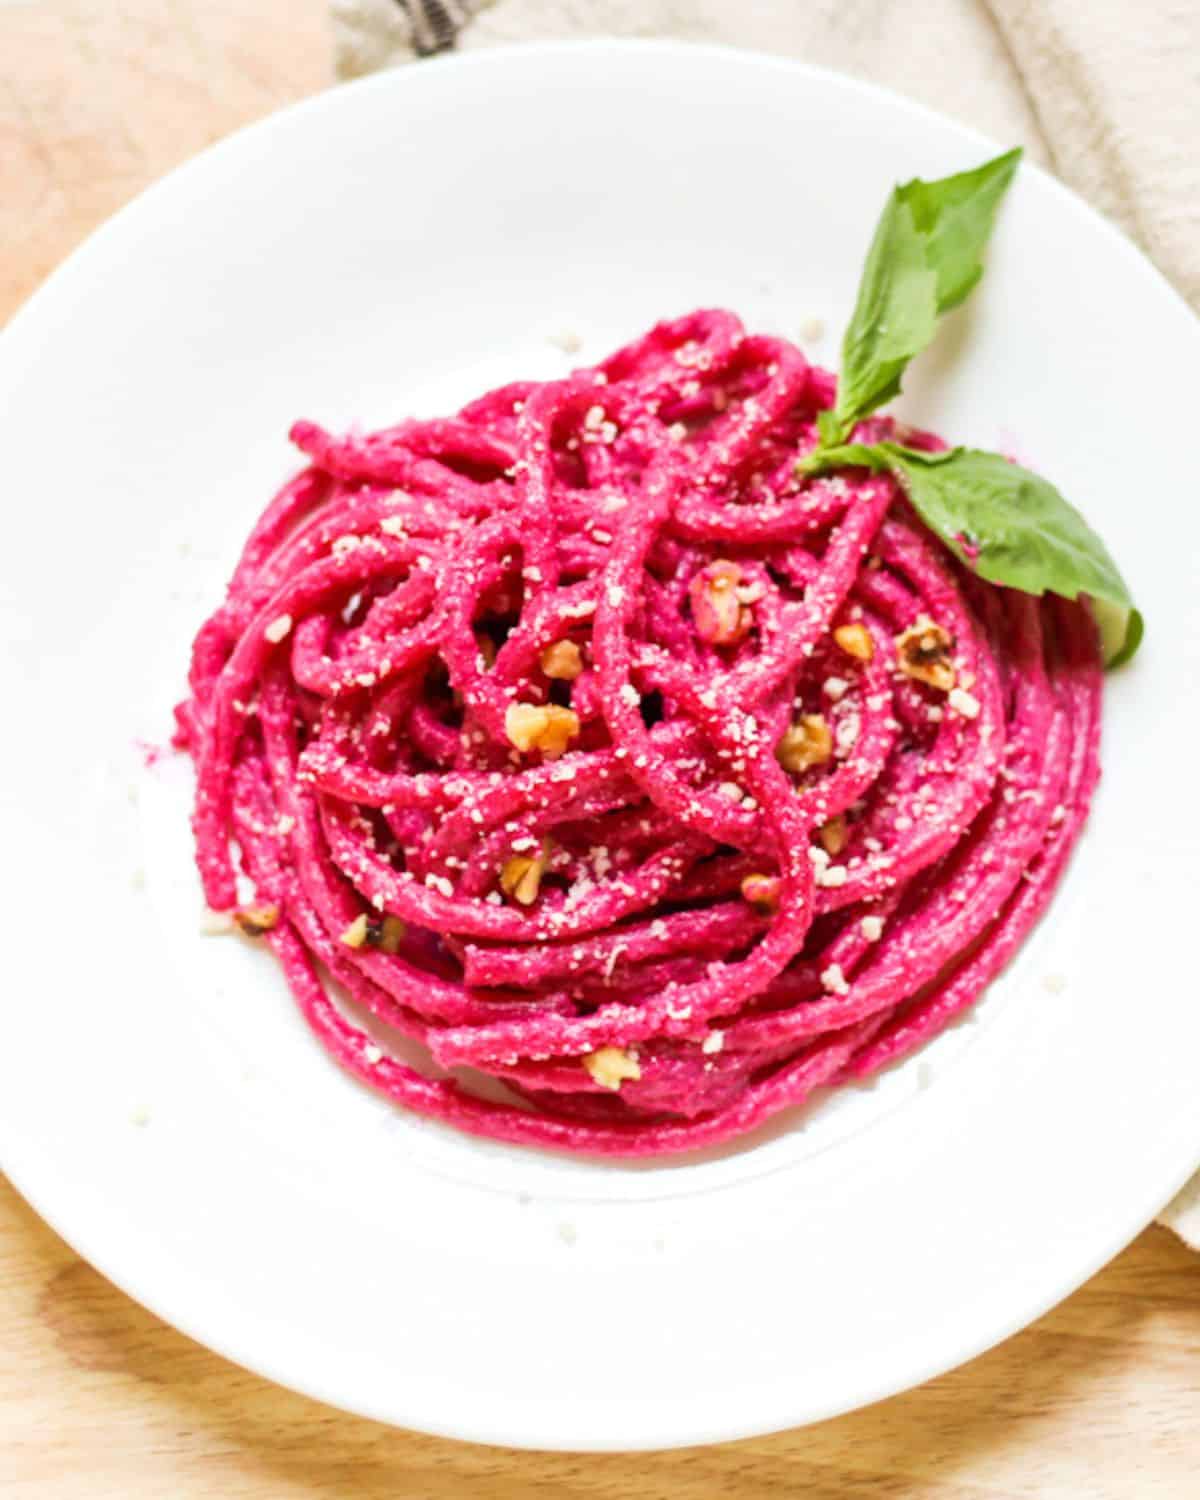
<point x="387" y="934"/>
<point x="923" y="652"/>
<point x="544" y="727"/>
<point x="834" y="835"/>
<point x="762" y="893"/>
<point x="255" y="920"/>
<point x="521" y="876"/>
<point x="855" y="640"/>
<point x="610" y="1066"/>
<point x="562" y="660"/>
<point x="807" y="742"/>
<point x="721" y="603"/>
<point x="356" y="934"/>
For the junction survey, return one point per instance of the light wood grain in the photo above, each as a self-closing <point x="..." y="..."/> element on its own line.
<point x="98" y="1399"/>
<point x="100" y="97"/>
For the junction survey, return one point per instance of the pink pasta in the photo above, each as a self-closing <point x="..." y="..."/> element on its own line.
<point x="580" y="741"/>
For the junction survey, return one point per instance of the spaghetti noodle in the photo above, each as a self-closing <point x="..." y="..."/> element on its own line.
<point x="579" y="740"/>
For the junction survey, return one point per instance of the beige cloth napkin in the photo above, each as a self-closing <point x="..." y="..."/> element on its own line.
<point x="1106" y="93"/>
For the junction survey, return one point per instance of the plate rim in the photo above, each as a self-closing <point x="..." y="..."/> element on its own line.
<point x="391" y="77"/>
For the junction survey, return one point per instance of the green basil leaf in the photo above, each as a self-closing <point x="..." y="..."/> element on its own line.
<point x="893" y="319"/>
<point x="955" y="215"/>
<point x="845" y="456"/>
<point x="1013" y="527"/>
<point x="828" y="428"/>
<point x="1007" y="524"/>
<point x="1121" y="631"/>
<point x="924" y="259"/>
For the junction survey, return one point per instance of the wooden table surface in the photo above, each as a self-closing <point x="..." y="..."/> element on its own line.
<point x="99" y="1399"/>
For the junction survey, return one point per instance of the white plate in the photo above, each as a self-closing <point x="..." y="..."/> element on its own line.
<point x="393" y="246"/>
